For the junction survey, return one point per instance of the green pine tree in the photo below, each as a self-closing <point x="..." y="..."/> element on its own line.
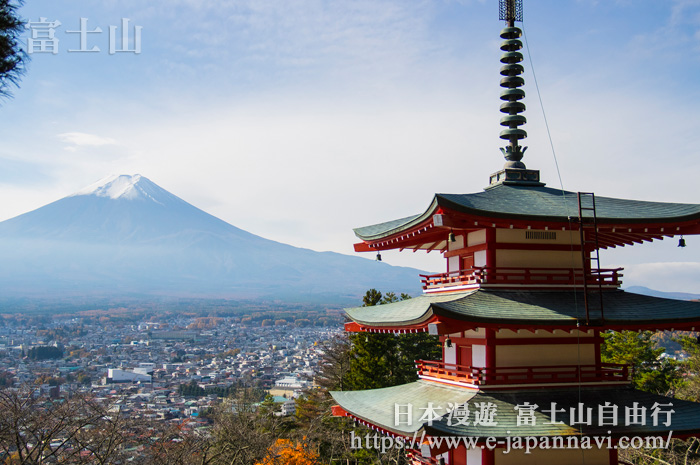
<point x="383" y="360"/>
<point x="12" y="58"/>
<point x="650" y="372"/>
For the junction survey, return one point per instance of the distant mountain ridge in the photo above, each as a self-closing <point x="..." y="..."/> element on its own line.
<point x="125" y="235"/>
<point x="668" y="295"/>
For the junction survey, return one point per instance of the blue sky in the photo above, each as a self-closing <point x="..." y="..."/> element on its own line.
<point x="299" y="120"/>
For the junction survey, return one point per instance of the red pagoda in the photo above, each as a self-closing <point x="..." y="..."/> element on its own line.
<point x="519" y="313"/>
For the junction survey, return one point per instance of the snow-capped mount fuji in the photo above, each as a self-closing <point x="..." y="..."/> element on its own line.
<point x="125" y="235"/>
<point x="126" y="187"/>
<point x="118" y="209"/>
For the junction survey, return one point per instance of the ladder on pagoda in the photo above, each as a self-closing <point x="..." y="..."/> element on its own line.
<point x="592" y="283"/>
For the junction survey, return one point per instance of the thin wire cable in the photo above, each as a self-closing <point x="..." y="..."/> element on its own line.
<point x="556" y="162"/>
<point x="568" y="215"/>
<point x="544" y="116"/>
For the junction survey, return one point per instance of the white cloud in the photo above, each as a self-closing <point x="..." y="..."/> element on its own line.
<point x="81" y="139"/>
<point x="84" y="139"/>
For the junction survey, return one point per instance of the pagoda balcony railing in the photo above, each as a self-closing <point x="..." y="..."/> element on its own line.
<point x="448" y="371"/>
<point x="416" y="457"/>
<point x="484" y="276"/>
<point x="480" y="376"/>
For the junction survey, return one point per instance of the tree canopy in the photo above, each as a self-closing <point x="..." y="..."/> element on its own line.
<point x="639" y="350"/>
<point x="662" y="376"/>
<point x="382" y="360"/>
<point x="12" y="57"/>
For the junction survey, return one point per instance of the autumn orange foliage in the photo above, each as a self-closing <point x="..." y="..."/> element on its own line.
<point x="285" y="452"/>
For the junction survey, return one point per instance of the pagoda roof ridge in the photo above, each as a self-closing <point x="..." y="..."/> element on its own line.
<point x="528" y="309"/>
<point x="412" y="311"/>
<point x="388" y="227"/>
<point x="536" y="203"/>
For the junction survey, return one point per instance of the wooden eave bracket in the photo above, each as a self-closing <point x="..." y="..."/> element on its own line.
<point x="352" y="327"/>
<point x="362" y="247"/>
<point x="338" y="411"/>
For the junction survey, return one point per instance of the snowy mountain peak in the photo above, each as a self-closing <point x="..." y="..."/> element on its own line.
<point x="125" y="237"/>
<point x="114" y="186"/>
<point x="124" y="186"/>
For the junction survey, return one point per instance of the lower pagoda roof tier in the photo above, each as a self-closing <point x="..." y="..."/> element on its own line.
<point x="620" y="221"/>
<point x="524" y="310"/>
<point x="683" y="417"/>
<point x="378" y="406"/>
<point x="398" y="410"/>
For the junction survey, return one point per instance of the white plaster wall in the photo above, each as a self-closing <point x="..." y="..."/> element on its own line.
<point x="450" y="354"/>
<point x="474" y="456"/>
<point x="553" y="457"/>
<point x="480" y="258"/>
<point x="478" y="356"/>
<point x="537" y="259"/>
<point x="476" y="237"/>
<point x="457" y="244"/>
<point x="545" y="355"/>
<point x="452" y="264"/>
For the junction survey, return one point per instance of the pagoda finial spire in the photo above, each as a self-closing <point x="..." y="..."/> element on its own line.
<point x="514" y="170"/>
<point x="510" y="12"/>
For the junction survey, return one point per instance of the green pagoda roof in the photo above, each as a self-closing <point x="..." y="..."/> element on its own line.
<point x="379" y="407"/>
<point x="523" y="308"/>
<point x="536" y="203"/>
<point x="684" y="420"/>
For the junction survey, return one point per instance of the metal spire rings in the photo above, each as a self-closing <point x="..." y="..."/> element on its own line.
<point x="514" y="171"/>
<point x="512" y="11"/>
<point x="512" y="95"/>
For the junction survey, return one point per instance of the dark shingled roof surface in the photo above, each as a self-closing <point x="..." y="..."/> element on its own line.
<point x="685" y="418"/>
<point x="527" y="307"/>
<point x="379" y="407"/>
<point x="539" y="204"/>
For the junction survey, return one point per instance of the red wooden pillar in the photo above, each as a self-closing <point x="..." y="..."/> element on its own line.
<point x="490" y="250"/>
<point x="488" y="456"/>
<point x="598" y="362"/>
<point x="490" y="341"/>
<point x="613" y="456"/>
<point x="458" y="456"/>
